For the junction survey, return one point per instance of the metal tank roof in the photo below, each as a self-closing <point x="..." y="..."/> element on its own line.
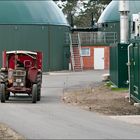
<point x="31" y="12"/>
<point x="111" y="13"/>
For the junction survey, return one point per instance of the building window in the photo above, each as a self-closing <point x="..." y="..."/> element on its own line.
<point x="85" y="51"/>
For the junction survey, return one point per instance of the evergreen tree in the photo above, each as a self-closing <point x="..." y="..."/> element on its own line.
<point x="85" y="14"/>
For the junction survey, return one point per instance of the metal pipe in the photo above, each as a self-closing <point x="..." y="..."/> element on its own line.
<point x="124" y="21"/>
<point x="124" y="26"/>
<point x="129" y="64"/>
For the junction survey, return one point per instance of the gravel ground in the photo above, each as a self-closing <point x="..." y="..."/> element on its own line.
<point x="101" y="99"/>
<point x="8" y="133"/>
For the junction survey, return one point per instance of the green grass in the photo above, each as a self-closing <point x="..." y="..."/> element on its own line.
<point x="114" y="87"/>
<point x="119" y="89"/>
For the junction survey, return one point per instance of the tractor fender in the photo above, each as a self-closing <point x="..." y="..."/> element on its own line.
<point x="32" y="74"/>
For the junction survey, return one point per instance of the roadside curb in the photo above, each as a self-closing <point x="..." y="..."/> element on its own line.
<point x="58" y="73"/>
<point x="132" y="119"/>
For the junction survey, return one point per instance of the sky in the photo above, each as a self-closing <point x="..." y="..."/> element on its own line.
<point x="79" y="5"/>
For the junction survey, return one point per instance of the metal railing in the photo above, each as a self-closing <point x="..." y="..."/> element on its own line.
<point x="75" y="41"/>
<point x="93" y="38"/>
<point x="79" y="46"/>
<point x="71" y="51"/>
<point x="75" y="38"/>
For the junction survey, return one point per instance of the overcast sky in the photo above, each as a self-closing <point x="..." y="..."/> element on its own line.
<point x="79" y="5"/>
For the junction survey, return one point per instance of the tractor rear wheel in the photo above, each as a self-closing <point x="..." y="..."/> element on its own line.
<point x="3" y="93"/>
<point x="39" y="81"/>
<point x="34" y="93"/>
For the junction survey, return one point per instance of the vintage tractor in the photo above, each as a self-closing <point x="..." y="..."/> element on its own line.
<point x="21" y="72"/>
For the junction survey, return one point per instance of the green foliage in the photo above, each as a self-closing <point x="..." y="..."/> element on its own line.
<point x="91" y="10"/>
<point x="85" y="18"/>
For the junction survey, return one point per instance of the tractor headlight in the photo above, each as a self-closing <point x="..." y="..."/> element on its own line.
<point x="21" y="84"/>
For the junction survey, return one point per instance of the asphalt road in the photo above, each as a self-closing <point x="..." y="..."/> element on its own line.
<point x="51" y="119"/>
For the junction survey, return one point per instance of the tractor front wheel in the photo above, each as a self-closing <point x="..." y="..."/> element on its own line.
<point x="39" y="81"/>
<point x="3" y="93"/>
<point x="34" y="93"/>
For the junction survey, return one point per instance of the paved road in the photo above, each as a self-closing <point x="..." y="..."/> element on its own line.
<point x="51" y="119"/>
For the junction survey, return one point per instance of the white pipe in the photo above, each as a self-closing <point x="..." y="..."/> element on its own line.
<point x="124" y="20"/>
<point x="124" y="28"/>
<point x="124" y="6"/>
<point x="129" y="63"/>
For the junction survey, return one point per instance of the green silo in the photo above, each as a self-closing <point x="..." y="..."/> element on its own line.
<point x="35" y="25"/>
<point x="109" y="21"/>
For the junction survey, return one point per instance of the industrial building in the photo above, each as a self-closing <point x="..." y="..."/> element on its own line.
<point x="35" y="25"/>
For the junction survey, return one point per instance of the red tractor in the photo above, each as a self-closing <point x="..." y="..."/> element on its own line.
<point x="21" y="72"/>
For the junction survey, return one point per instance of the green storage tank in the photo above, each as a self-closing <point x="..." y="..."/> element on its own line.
<point x="35" y="25"/>
<point x="135" y="70"/>
<point x="118" y="65"/>
<point x="109" y="20"/>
